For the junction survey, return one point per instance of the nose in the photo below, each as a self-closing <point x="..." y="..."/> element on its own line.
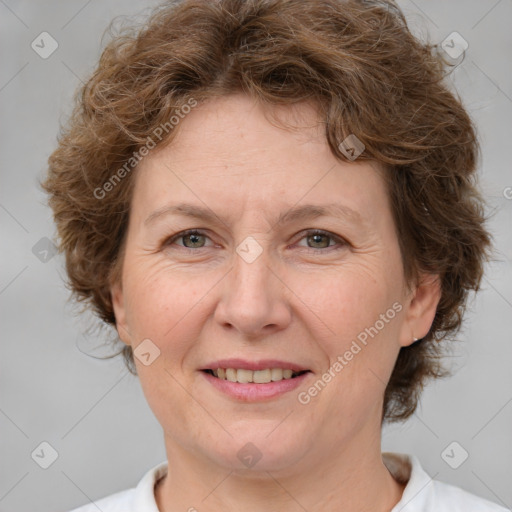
<point x="253" y="298"/>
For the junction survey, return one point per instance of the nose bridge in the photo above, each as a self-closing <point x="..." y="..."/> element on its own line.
<point x="252" y="299"/>
<point x="251" y="272"/>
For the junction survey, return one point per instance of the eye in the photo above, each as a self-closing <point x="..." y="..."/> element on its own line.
<point x="321" y="239"/>
<point x="196" y="239"/>
<point x="193" y="237"/>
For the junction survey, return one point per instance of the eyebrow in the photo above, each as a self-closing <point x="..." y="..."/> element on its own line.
<point x="303" y="212"/>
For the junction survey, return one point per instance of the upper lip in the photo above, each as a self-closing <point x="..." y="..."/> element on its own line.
<point x="262" y="364"/>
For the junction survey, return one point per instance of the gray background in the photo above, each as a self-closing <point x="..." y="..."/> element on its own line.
<point x="92" y="412"/>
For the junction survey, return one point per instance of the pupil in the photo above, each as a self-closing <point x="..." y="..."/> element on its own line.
<point x="316" y="237"/>
<point x="194" y="238"/>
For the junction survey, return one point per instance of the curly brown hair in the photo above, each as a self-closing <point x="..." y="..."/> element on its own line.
<point x="368" y="75"/>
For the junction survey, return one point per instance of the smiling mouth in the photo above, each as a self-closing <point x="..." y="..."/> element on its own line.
<point x="254" y="377"/>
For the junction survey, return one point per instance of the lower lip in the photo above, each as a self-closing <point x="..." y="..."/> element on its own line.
<point x="251" y="392"/>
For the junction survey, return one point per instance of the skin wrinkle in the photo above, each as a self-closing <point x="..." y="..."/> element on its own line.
<point x="300" y="212"/>
<point x="275" y="307"/>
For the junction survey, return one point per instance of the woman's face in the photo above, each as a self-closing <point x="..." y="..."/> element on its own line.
<point x="257" y="284"/>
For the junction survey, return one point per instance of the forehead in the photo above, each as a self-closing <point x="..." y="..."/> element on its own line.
<point x="237" y="130"/>
<point x="233" y="155"/>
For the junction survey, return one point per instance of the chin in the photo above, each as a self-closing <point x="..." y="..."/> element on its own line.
<point x="258" y="451"/>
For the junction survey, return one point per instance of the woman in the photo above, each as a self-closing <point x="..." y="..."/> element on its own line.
<point x="274" y="204"/>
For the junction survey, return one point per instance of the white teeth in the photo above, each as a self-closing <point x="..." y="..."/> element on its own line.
<point x="244" y="376"/>
<point x="277" y="374"/>
<point x="262" y="376"/>
<point x="258" y="376"/>
<point x="231" y="374"/>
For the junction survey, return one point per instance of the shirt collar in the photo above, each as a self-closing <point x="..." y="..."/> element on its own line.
<point x="407" y="469"/>
<point x="144" y="499"/>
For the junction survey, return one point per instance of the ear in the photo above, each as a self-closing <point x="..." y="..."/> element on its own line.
<point x="420" y="309"/>
<point x="117" y="297"/>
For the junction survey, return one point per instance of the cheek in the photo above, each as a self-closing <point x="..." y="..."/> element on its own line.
<point x="165" y="306"/>
<point x="160" y="298"/>
<point x="350" y="298"/>
<point x="359" y="315"/>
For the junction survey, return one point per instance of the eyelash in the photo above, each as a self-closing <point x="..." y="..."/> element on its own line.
<point x="306" y="233"/>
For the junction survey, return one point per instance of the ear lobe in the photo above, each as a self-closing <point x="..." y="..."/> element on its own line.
<point x="421" y="309"/>
<point x="117" y="297"/>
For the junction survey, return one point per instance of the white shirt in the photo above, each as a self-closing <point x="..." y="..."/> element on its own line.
<point x="421" y="494"/>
